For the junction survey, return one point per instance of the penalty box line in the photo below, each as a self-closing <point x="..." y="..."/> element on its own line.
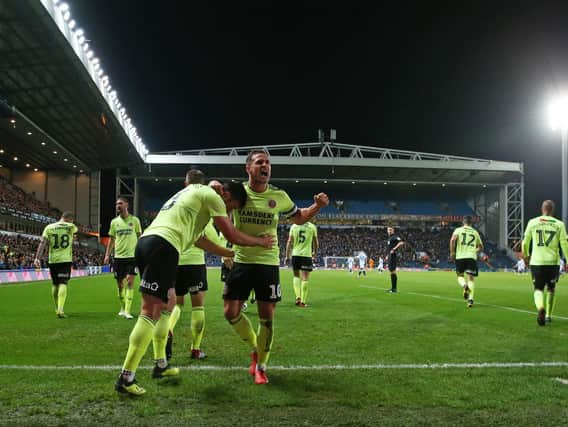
<point x="501" y="307"/>
<point x="379" y="366"/>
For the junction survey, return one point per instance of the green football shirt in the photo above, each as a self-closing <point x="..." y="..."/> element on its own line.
<point x="195" y="255"/>
<point x="260" y="216"/>
<point x="302" y="238"/>
<point x="125" y="232"/>
<point x="184" y="216"/>
<point x="60" y="237"/>
<point x="467" y="242"/>
<point x="547" y="234"/>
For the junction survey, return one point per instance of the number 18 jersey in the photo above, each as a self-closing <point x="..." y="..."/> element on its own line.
<point x="60" y="238"/>
<point x="546" y="234"/>
<point x="467" y="242"/>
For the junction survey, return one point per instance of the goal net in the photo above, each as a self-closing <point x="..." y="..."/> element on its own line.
<point x="338" y="262"/>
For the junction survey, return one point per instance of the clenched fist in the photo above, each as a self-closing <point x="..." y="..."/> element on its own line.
<point x="321" y="200"/>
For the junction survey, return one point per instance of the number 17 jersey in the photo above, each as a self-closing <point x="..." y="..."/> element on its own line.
<point x="467" y="242"/>
<point x="546" y="234"/>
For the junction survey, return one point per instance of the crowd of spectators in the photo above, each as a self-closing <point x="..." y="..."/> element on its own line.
<point x="14" y="197"/>
<point x="17" y="252"/>
<point x="430" y="244"/>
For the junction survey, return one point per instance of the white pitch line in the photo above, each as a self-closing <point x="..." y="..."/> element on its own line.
<point x="502" y="307"/>
<point x="379" y="366"/>
<point x="562" y="381"/>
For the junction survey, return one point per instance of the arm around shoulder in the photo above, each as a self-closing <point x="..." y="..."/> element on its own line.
<point x="239" y="238"/>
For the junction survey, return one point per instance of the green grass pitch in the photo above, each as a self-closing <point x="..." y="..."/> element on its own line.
<point x="337" y="362"/>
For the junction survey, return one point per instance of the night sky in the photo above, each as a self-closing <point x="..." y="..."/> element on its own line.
<point x="453" y="78"/>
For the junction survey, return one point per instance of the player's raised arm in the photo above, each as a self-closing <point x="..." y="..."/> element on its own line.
<point x="303" y="215"/>
<point x="236" y="237"/>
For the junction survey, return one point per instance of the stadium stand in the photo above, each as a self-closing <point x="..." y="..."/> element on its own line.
<point x="427" y="241"/>
<point x="17" y="253"/>
<point x="13" y="197"/>
<point x="16" y="205"/>
<point x="394" y="207"/>
<point x="425" y="248"/>
<point x="21" y="212"/>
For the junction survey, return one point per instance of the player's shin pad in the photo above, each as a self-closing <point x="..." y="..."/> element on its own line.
<point x="297" y="287"/>
<point x="549" y="303"/>
<point x="539" y="299"/>
<point x="121" y="292"/>
<point x="197" y="327"/>
<point x="129" y="296"/>
<point x="54" y="293"/>
<point x="61" y="297"/>
<point x="160" y="336"/>
<point x="304" y="297"/>
<point x="242" y="326"/>
<point x="176" y="313"/>
<point x="265" y="337"/>
<point x="138" y="342"/>
<point x="471" y="287"/>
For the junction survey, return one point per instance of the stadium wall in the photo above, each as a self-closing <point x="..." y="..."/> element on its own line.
<point x="65" y="191"/>
<point x="31" y="182"/>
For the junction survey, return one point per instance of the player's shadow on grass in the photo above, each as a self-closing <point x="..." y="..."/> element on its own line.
<point x="169" y="382"/>
<point x="298" y="385"/>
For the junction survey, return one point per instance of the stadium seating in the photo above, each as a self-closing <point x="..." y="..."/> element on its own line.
<point x="17" y="252"/>
<point x="394" y="207"/>
<point x="12" y="196"/>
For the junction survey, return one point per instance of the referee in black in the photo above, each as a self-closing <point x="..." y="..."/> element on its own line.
<point x="394" y="242"/>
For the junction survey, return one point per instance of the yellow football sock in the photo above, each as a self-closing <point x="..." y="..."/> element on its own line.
<point x="54" y="293"/>
<point x="242" y="326"/>
<point x="121" y="298"/>
<point x="297" y="288"/>
<point x="160" y="336"/>
<point x="138" y="342"/>
<point x="549" y="303"/>
<point x="129" y="296"/>
<point x="471" y="287"/>
<point x="61" y="297"/>
<point x="304" y="296"/>
<point x="174" y="317"/>
<point x="197" y="327"/>
<point x="461" y="281"/>
<point x="539" y="299"/>
<point x="265" y="338"/>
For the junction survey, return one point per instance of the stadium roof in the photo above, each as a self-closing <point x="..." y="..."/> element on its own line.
<point x="56" y="93"/>
<point x="337" y="162"/>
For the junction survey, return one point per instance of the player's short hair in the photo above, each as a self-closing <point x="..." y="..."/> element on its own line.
<point x="195" y="176"/>
<point x="237" y="191"/>
<point x="122" y="199"/>
<point x="467" y="220"/>
<point x="548" y="206"/>
<point x="253" y="153"/>
<point x="67" y="215"/>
